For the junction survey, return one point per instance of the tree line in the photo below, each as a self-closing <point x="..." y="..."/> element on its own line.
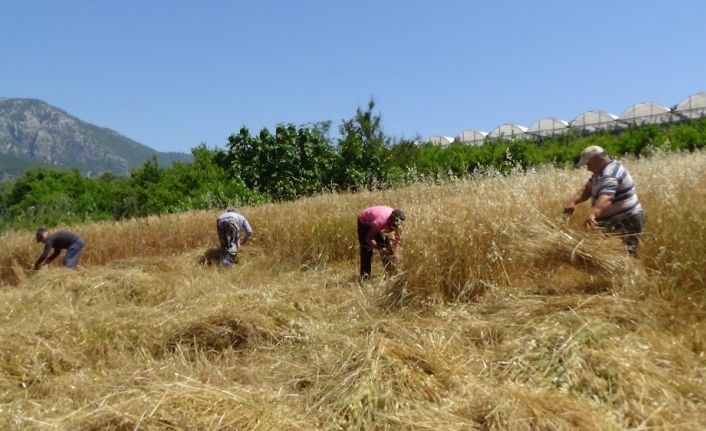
<point x="295" y="161"/>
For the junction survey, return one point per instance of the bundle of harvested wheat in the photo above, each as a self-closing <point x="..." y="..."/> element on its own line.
<point x="550" y="243"/>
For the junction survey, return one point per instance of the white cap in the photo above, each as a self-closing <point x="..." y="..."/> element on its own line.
<point x="588" y="153"/>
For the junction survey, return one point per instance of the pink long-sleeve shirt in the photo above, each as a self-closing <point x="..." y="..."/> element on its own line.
<point x="376" y="216"/>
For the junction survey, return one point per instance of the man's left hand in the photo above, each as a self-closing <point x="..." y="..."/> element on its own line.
<point x="591" y="222"/>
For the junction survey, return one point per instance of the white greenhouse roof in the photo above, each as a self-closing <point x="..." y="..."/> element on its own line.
<point x="440" y="140"/>
<point x="692" y="107"/>
<point x="594" y="120"/>
<point x="472" y="137"/>
<point x="547" y="127"/>
<point x="646" y="113"/>
<point x="507" y="131"/>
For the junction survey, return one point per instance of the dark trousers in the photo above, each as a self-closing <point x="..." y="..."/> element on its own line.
<point x="366" y="252"/>
<point x="630" y="229"/>
<point x="229" y="236"/>
<point x="73" y="253"/>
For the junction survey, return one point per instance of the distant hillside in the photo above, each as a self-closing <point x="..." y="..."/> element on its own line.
<point x="34" y="133"/>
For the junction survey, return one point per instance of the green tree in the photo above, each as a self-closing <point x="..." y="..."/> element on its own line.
<point x="50" y="196"/>
<point x="364" y="153"/>
<point x="295" y="161"/>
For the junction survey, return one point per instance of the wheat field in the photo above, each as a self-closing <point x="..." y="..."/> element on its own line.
<point x="501" y="317"/>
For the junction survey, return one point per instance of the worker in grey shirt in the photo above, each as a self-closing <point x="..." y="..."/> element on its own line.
<point x="231" y="227"/>
<point x="60" y="240"/>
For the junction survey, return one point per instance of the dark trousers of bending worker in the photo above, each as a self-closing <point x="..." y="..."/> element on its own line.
<point x="229" y="236"/>
<point x="630" y="230"/>
<point x="366" y="252"/>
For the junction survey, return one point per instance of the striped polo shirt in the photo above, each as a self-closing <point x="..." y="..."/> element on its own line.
<point x="615" y="180"/>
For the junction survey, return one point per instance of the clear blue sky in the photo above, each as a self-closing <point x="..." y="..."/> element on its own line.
<point x="173" y="74"/>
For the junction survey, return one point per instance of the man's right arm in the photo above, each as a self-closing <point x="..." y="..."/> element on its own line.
<point x="52" y="257"/>
<point x="582" y="195"/>
<point x="370" y="237"/>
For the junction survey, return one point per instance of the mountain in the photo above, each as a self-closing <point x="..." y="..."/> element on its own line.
<point x="34" y="133"/>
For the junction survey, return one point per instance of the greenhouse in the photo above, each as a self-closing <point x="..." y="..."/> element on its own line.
<point x="692" y="107"/>
<point x="440" y="140"/>
<point x="472" y="137"/>
<point x="592" y="121"/>
<point x="548" y="126"/>
<point x="508" y="131"/>
<point x="646" y="113"/>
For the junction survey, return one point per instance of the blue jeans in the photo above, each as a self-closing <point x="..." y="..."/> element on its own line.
<point x="73" y="253"/>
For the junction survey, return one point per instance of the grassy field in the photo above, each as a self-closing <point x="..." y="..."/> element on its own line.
<point x="501" y="318"/>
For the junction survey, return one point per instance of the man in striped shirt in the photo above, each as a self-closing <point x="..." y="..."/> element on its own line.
<point x="615" y="206"/>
